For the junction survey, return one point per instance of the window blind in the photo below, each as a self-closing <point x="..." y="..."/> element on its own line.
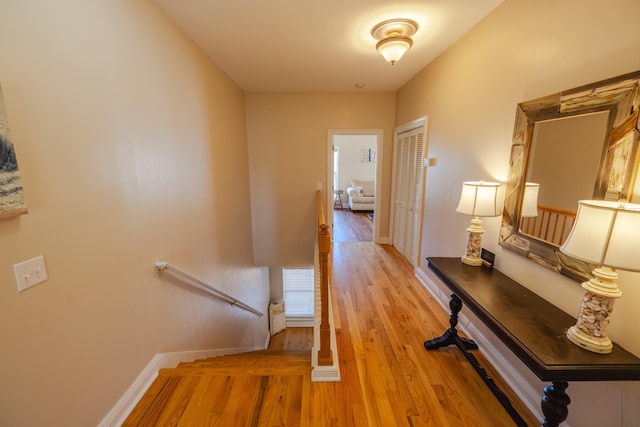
<point x="298" y="291"/>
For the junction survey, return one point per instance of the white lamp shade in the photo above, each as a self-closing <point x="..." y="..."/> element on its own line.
<point x="480" y="198"/>
<point x="530" y="200"/>
<point x="606" y="233"/>
<point x="393" y="48"/>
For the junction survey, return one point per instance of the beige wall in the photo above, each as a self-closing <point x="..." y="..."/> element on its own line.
<point x="523" y="50"/>
<point x="132" y="148"/>
<point x="288" y="154"/>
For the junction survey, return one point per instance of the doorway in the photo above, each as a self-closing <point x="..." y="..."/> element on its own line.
<point x="353" y="154"/>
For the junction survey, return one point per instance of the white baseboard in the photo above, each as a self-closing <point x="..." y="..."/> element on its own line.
<point x="529" y="395"/>
<point x="121" y="410"/>
<point x="299" y="322"/>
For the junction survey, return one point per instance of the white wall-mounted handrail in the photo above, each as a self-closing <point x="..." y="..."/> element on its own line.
<point x="161" y="267"/>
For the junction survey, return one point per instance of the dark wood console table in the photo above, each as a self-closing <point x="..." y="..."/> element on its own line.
<point x="532" y="328"/>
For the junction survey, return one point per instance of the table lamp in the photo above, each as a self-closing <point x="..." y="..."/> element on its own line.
<point x="606" y="234"/>
<point x="480" y="199"/>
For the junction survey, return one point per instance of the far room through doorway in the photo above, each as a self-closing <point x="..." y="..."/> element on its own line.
<point x="353" y="173"/>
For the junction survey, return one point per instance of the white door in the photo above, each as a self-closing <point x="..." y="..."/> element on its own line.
<point x="407" y="200"/>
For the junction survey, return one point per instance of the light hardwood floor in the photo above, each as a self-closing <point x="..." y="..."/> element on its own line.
<point x="351" y="226"/>
<point x="383" y="314"/>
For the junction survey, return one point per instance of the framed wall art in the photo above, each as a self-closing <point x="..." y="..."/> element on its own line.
<point x="12" y="201"/>
<point x="368" y="155"/>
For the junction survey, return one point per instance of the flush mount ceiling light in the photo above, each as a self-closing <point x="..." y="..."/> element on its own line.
<point x="394" y="37"/>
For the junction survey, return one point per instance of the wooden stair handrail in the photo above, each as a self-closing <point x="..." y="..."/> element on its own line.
<point x="325" y="356"/>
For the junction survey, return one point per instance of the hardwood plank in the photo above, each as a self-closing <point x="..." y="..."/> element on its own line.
<point x="282" y="402"/>
<point x="152" y="402"/>
<point x="305" y="408"/>
<point x="300" y="339"/>
<point x="244" y="395"/>
<point x="210" y="396"/>
<point x="351" y="226"/>
<point x="174" y="407"/>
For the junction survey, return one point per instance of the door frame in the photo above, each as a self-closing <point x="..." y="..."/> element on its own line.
<point x="378" y="172"/>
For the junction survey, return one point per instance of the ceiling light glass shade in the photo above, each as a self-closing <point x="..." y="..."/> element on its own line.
<point x="530" y="200"/>
<point x="480" y="198"/>
<point x="607" y="234"/>
<point x="394" y="37"/>
<point x="393" y="48"/>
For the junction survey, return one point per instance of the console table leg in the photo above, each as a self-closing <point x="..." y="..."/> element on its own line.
<point x="450" y="335"/>
<point x="555" y="404"/>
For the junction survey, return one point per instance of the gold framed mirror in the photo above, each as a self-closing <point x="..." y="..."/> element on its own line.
<point x="601" y="119"/>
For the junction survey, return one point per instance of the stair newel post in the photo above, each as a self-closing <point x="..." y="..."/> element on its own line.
<point x="324" y="245"/>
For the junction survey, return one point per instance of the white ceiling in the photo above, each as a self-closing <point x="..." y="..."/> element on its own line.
<point x="324" y="46"/>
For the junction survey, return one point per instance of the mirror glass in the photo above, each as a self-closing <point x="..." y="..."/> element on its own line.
<point x="573" y="145"/>
<point x="578" y="140"/>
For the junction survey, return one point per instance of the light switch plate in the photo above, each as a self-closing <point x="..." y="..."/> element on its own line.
<point x="429" y="161"/>
<point x="30" y="272"/>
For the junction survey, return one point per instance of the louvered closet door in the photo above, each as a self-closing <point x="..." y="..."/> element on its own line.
<point x="400" y="193"/>
<point x="408" y="193"/>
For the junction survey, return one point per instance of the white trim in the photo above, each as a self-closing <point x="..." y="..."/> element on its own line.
<point x="323" y="373"/>
<point x="299" y="322"/>
<point x="123" y="407"/>
<point x="414" y="124"/>
<point x="529" y="395"/>
<point x="379" y="133"/>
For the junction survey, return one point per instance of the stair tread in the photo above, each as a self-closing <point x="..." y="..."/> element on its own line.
<point x="253" y="363"/>
<point x="254" y="357"/>
<point x="267" y="353"/>
<point x="236" y="370"/>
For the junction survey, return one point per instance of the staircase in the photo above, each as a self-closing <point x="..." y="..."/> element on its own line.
<point x="260" y="388"/>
